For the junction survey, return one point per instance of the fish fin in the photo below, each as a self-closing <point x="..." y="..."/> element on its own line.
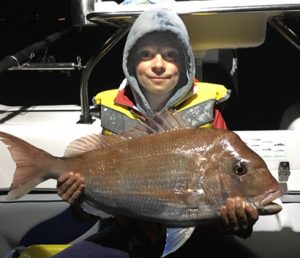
<point x="175" y="238"/>
<point x="160" y="122"/>
<point x="22" y="186"/>
<point x="170" y="120"/>
<point x="184" y="198"/>
<point x="28" y="172"/>
<point x="92" y="142"/>
<point x="91" y="209"/>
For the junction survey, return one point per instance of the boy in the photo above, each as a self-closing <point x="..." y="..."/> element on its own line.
<point x="159" y="66"/>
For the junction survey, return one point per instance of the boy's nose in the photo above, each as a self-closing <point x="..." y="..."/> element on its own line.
<point x="158" y="61"/>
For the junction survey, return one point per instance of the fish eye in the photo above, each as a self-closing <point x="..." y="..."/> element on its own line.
<point x="240" y="169"/>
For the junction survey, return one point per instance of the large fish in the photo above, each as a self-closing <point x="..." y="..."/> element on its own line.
<point x="179" y="177"/>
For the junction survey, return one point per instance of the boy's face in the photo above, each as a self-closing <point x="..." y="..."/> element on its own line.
<point x="157" y="67"/>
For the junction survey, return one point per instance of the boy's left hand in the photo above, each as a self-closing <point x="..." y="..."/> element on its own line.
<point x="239" y="215"/>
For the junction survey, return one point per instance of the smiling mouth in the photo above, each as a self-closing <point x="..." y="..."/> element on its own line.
<point x="158" y="78"/>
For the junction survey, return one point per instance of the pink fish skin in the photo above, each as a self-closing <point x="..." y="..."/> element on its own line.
<point x="178" y="177"/>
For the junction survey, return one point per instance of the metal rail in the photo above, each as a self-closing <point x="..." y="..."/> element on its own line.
<point x="285" y="31"/>
<point x="85" y="117"/>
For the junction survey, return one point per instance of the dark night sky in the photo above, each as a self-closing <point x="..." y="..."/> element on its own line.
<point x="268" y="75"/>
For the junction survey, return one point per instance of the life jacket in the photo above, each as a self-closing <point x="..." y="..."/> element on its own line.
<point x="198" y="110"/>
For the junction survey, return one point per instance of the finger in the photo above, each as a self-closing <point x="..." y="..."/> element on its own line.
<point x="231" y="214"/>
<point x="223" y="213"/>
<point x="63" y="178"/>
<point x="252" y="212"/>
<point x="65" y="184"/>
<point x="70" y="182"/>
<point x="241" y="215"/>
<point x="75" y="196"/>
<point x="71" y="188"/>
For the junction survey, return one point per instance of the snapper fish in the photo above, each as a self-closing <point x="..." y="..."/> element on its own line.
<point x="162" y="171"/>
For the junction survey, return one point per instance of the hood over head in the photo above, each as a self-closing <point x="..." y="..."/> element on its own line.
<point x="165" y="21"/>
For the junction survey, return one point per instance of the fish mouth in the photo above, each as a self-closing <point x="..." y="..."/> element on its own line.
<point x="269" y="209"/>
<point x="264" y="202"/>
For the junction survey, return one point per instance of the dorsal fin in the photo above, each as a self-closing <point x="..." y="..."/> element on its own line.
<point x="91" y="142"/>
<point x="171" y="120"/>
<point x="168" y="120"/>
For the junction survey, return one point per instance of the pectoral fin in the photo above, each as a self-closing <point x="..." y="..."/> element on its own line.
<point x="175" y="238"/>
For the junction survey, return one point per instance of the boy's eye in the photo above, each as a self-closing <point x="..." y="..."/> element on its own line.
<point x="171" y="55"/>
<point x="145" y="55"/>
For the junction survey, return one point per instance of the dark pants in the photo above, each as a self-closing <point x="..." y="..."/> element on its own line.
<point x="222" y="246"/>
<point x="87" y="249"/>
<point x="114" y="243"/>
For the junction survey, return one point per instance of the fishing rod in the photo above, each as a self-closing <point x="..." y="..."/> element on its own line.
<point x="28" y="52"/>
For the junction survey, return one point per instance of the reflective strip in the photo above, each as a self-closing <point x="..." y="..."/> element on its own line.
<point x="106" y="98"/>
<point x="115" y="121"/>
<point x="200" y="114"/>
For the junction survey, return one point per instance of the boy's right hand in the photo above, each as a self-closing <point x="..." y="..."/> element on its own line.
<point x="70" y="186"/>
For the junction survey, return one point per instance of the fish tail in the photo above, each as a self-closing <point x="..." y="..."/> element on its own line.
<point x="31" y="165"/>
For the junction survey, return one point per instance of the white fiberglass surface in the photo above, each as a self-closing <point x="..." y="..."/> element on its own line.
<point x="50" y="128"/>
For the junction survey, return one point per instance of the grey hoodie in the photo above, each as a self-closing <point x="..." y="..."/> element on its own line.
<point x="159" y="20"/>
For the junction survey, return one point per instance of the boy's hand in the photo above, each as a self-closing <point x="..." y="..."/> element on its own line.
<point x="239" y="215"/>
<point x="70" y="186"/>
